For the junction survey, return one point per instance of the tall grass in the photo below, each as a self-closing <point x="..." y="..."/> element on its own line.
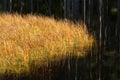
<point x="35" y="40"/>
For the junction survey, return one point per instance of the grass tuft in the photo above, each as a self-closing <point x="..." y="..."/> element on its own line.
<point x="26" y="40"/>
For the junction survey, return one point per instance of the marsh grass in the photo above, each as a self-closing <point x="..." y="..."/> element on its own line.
<point x="27" y="42"/>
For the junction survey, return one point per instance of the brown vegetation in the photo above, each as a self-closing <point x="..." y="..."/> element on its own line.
<point x="27" y="39"/>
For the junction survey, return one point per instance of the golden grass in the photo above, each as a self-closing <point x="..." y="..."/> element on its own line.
<point x="39" y="39"/>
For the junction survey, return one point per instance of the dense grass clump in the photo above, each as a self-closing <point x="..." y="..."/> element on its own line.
<point x="31" y="41"/>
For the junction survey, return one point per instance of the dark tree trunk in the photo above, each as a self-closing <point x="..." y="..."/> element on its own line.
<point x="90" y="15"/>
<point x="21" y="6"/>
<point x="100" y="37"/>
<point x="10" y="6"/>
<point x="75" y="7"/>
<point x="49" y="7"/>
<point x="90" y="29"/>
<point x="31" y="6"/>
<point x="118" y="28"/>
<point x="61" y="8"/>
<point x="67" y="9"/>
<point x="37" y="6"/>
<point x="4" y="5"/>
<point x="84" y="11"/>
<point x="105" y="24"/>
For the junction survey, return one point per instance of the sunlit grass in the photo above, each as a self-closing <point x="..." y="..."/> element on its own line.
<point x="28" y="39"/>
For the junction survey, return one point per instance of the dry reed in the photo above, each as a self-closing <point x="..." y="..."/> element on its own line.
<point x="24" y="39"/>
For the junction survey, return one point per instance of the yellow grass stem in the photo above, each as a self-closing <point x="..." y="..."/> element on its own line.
<point x="37" y="38"/>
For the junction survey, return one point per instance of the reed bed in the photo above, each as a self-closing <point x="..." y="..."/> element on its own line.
<point x="37" y="40"/>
